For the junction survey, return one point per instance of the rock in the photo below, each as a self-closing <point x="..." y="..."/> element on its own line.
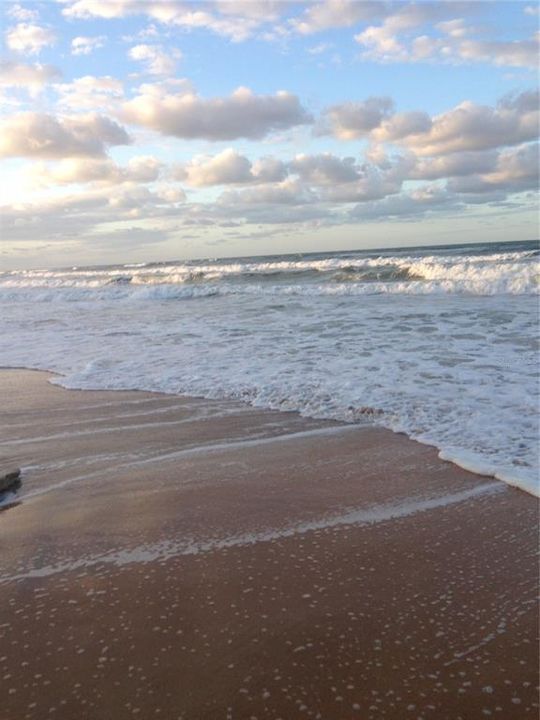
<point x="10" y="481"/>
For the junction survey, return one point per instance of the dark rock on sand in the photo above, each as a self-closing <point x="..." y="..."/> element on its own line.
<point x="10" y="481"/>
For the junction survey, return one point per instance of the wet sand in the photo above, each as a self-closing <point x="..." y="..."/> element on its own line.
<point x="184" y="558"/>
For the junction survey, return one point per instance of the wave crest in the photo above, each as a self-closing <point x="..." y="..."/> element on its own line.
<point x="498" y="273"/>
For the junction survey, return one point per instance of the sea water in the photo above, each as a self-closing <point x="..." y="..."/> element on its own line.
<point x="439" y="342"/>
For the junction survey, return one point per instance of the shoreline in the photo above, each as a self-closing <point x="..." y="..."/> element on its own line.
<point x="188" y="558"/>
<point x="460" y="460"/>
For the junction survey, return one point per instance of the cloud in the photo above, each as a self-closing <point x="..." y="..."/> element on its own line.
<point x="352" y="120"/>
<point x="228" y="168"/>
<point x="223" y="169"/>
<point x="325" y="178"/>
<point x="263" y="10"/>
<point x="515" y="53"/>
<point x="158" y="61"/>
<point x="290" y="191"/>
<point x="320" y="48"/>
<point x="21" y="13"/>
<point x="32" y="77"/>
<point x="107" y="9"/>
<point x="27" y="38"/>
<point x="90" y="93"/>
<point x="81" y="213"/>
<point x="241" y="115"/>
<point x="130" y="238"/>
<point x="413" y="205"/>
<point x="85" y="45"/>
<point x="269" y="169"/>
<point x="383" y="43"/>
<point x="402" y="125"/>
<point x="335" y="14"/>
<point x="456" y="164"/>
<point x="477" y="127"/>
<point x="235" y="20"/>
<point x="521" y="102"/>
<point x="325" y="169"/>
<point x="32" y="134"/>
<point x="329" y="182"/>
<point x="396" y="39"/>
<point x="456" y="28"/>
<point x="516" y="170"/>
<point x="100" y="170"/>
<point x="466" y="127"/>
<point x="373" y="181"/>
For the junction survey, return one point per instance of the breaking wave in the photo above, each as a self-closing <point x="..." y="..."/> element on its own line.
<point x="514" y="273"/>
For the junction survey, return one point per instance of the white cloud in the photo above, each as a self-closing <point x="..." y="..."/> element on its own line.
<point x="262" y="10"/>
<point x="27" y="38"/>
<point x="242" y="114"/>
<point x="143" y="168"/>
<point x="321" y="16"/>
<point x="21" y="13"/>
<point x="322" y="178"/>
<point x="515" y="53"/>
<point x="225" y="168"/>
<point x="455" y="165"/>
<point x="383" y="42"/>
<point x="318" y="189"/>
<point x="228" y="168"/>
<point x="269" y="169"/>
<point x="466" y="127"/>
<point x="319" y="48"/>
<point x="414" y="204"/>
<point x="32" y="77"/>
<point x="85" y="45"/>
<point x="32" y="134"/>
<point x="355" y="119"/>
<point x="96" y="170"/>
<point x="90" y="93"/>
<point x="395" y="40"/>
<point x="235" y="20"/>
<point x="158" y="61"/>
<point x="290" y="191"/>
<point x="324" y="169"/>
<point x="402" y="125"/>
<point x="477" y="127"/>
<point x="83" y="214"/>
<point x="374" y="181"/>
<point x="150" y="31"/>
<point x="521" y="102"/>
<point x="516" y="170"/>
<point x="108" y="9"/>
<point x="456" y="28"/>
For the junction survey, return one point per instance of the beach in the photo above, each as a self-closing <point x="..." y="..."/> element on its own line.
<point x="189" y="558"/>
<point x="269" y="360"/>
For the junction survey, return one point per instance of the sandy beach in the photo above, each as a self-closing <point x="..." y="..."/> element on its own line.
<point x="198" y="559"/>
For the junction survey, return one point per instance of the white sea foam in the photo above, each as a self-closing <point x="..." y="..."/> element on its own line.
<point x="448" y="355"/>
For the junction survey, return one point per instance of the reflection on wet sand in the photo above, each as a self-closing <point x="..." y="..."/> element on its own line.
<point x="185" y="558"/>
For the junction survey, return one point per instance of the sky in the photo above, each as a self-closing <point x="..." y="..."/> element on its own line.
<point x="147" y="130"/>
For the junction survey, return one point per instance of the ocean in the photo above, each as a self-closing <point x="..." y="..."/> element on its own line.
<point x="437" y="342"/>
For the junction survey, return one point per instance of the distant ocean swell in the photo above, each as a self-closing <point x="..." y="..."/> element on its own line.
<point x="440" y="344"/>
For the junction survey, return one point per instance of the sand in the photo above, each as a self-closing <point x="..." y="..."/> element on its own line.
<point x="186" y="558"/>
